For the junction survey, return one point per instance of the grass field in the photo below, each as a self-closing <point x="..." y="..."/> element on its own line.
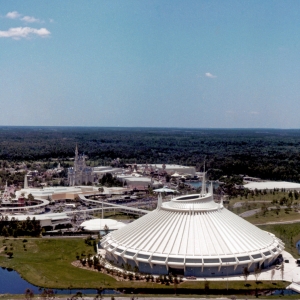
<point x="266" y="197"/>
<point x="288" y="233"/>
<point x="47" y="263"/>
<point x="271" y="216"/>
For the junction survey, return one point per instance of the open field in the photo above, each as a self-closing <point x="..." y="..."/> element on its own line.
<point x="47" y="263"/>
<point x="288" y="233"/>
<point x="260" y="197"/>
<point x="271" y="216"/>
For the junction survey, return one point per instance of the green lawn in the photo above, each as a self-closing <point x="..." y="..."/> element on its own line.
<point x="288" y="233"/>
<point x="268" y="197"/>
<point x="47" y="263"/>
<point x="271" y="216"/>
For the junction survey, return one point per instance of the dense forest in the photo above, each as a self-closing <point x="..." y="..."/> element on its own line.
<point x="266" y="153"/>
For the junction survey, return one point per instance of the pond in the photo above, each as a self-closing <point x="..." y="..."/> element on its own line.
<point x="12" y="283"/>
<point x="198" y="184"/>
<point x="298" y="246"/>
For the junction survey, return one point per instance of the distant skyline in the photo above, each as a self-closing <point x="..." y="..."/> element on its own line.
<point x="157" y="63"/>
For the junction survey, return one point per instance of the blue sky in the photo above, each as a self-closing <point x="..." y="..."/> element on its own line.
<point x="212" y="64"/>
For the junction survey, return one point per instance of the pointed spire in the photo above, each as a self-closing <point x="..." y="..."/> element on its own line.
<point x="76" y="158"/>
<point x="211" y="189"/>
<point x="25" y="182"/>
<point x="159" y="201"/>
<point x="203" y="189"/>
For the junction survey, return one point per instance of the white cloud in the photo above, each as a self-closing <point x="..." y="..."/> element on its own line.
<point x="13" y="15"/>
<point x="26" y="19"/>
<point x="209" y="75"/>
<point x="24" y="32"/>
<point x="29" y="19"/>
<point x="254" y="113"/>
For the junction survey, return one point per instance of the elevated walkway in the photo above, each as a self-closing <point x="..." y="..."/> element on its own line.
<point x="294" y="286"/>
<point x="123" y="208"/>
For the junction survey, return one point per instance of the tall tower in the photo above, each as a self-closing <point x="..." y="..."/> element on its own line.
<point x="25" y="182"/>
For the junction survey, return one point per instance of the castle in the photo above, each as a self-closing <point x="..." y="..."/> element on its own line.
<point x="80" y="173"/>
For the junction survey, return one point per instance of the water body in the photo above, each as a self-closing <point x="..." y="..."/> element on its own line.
<point x="284" y="292"/>
<point x="197" y="184"/>
<point x="12" y="283"/>
<point x="298" y="246"/>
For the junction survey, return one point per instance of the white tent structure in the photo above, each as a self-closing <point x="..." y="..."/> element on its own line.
<point x="165" y="189"/>
<point x="101" y="224"/>
<point x="194" y="236"/>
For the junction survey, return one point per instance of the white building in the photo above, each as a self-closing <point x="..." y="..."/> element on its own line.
<point x="270" y="185"/>
<point x="168" y="168"/>
<point x="194" y="236"/>
<point x="96" y="225"/>
<point x="80" y="173"/>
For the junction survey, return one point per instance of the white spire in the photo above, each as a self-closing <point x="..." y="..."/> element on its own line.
<point x="25" y="182"/>
<point x="203" y="189"/>
<point x="159" y="201"/>
<point x="211" y="189"/>
<point x="76" y="158"/>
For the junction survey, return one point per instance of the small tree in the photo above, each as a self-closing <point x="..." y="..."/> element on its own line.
<point x="30" y="198"/>
<point x="206" y="287"/>
<point x="246" y="273"/>
<point x="277" y="209"/>
<point x="257" y="272"/>
<point x="106" y="229"/>
<point x="272" y="274"/>
<point x="28" y="294"/>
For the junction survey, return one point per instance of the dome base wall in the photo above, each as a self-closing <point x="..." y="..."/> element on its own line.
<point x="197" y="271"/>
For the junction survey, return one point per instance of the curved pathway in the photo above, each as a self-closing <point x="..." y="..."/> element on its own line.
<point x="240" y="203"/>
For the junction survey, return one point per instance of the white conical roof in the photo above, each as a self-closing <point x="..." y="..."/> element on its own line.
<point x="193" y="227"/>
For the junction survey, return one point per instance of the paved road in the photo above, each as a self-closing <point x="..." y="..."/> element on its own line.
<point x="283" y="222"/>
<point x="249" y="213"/>
<point x="240" y="204"/>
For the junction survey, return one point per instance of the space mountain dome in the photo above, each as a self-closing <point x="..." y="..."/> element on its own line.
<point x="194" y="236"/>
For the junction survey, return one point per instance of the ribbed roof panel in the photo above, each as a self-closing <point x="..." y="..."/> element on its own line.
<point x="195" y="227"/>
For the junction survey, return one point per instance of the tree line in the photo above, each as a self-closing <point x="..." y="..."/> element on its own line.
<point x="15" y="228"/>
<point x="268" y="154"/>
